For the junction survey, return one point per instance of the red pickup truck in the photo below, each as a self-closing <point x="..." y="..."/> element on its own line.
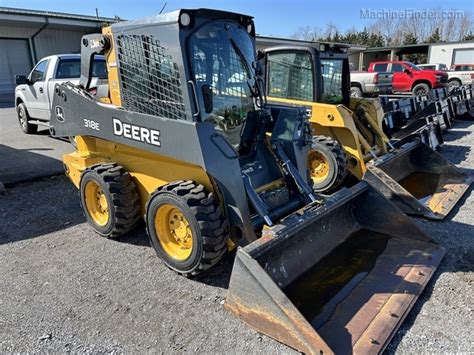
<point x="407" y="77"/>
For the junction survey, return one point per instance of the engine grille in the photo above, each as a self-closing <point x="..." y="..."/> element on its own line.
<point x="150" y="80"/>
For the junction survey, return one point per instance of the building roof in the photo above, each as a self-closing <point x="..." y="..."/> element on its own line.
<point x="54" y="14"/>
<point x="405" y="46"/>
<point x="272" y="41"/>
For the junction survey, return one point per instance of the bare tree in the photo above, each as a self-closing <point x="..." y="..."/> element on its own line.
<point x="433" y="25"/>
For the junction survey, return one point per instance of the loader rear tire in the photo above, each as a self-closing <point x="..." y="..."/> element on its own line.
<point x="327" y="164"/>
<point x="109" y="199"/>
<point x="186" y="227"/>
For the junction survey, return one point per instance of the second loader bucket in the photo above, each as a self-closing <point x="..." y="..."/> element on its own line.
<point x="338" y="278"/>
<point x="419" y="180"/>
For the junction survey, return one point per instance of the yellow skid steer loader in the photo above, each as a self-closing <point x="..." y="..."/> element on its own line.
<point x="349" y="137"/>
<point x="181" y="136"/>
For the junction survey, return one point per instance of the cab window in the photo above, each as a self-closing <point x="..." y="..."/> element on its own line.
<point x="397" y="68"/>
<point x="380" y="67"/>
<point x="71" y="69"/>
<point x="39" y="72"/>
<point x="290" y="76"/>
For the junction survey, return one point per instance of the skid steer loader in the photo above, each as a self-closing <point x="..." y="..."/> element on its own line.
<point x="349" y="137"/>
<point x="181" y="136"/>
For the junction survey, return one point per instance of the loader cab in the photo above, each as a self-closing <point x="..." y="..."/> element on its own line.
<point x="335" y="73"/>
<point x="222" y="69"/>
<point x="292" y="72"/>
<point x="317" y="73"/>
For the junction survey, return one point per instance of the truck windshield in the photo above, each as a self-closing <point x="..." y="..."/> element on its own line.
<point x="331" y="70"/>
<point x="222" y="54"/>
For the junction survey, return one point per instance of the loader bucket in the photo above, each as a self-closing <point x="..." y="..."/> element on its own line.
<point x="337" y="278"/>
<point x="419" y="180"/>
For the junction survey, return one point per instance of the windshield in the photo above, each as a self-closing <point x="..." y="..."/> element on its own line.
<point x="412" y="66"/>
<point x="332" y="81"/>
<point x="222" y="56"/>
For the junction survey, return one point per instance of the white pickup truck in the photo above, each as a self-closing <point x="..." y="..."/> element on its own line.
<point x="33" y="94"/>
<point x="370" y="84"/>
<point x="460" y="74"/>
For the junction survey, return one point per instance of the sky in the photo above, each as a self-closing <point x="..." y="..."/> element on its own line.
<point x="275" y="18"/>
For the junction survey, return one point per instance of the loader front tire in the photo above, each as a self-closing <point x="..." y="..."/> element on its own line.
<point x="186" y="227"/>
<point x="327" y="164"/>
<point x="109" y="199"/>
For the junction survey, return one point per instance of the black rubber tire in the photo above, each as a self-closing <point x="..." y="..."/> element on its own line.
<point x="453" y="84"/>
<point x="205" y="217"/>
<point x="421" y="89"/>
<point x="356" y="92"/>
<point x="335" y="155"/>
<point x="23" y="118"/>
<point x="122" y="198"/>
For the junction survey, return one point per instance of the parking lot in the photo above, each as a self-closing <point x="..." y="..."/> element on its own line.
<point x="64" y="288"/>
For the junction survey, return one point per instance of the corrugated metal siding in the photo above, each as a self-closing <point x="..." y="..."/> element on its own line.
<point x="52" y="41"/>
<point x="17" y="31"/>
<point x="14" y="59"/>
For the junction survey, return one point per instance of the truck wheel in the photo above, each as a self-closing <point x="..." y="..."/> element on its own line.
<point x="421" y="89"/>
<point x="23" y="118"/>
<point x="327" y="164"/>
<point x="453" y="84"/>
<point x="109" y="199"/>
<point x="186" y="227"/>
<point x="356" y="92"/>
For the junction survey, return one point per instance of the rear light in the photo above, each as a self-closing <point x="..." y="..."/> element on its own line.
<point x="472" y="75"/>
<point x="376" y="78"/>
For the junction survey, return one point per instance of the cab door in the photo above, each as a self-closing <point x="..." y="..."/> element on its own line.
<point x="401" y="79"/>
<point x="36" y="92"/>
<point x="290" y="74"/>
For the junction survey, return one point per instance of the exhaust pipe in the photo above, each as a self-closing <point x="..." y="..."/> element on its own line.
<point x="336" y="278"/>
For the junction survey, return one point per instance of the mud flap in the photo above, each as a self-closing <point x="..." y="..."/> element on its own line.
<point x="419" y="180"/>
<point x="338" y="278"/>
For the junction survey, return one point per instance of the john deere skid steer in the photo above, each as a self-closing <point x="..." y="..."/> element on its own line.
<point x="349" y="137"/>
<point x="182" y="137"/>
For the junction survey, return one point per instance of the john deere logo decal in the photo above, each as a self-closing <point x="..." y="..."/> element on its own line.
<point x="59" y="113"/>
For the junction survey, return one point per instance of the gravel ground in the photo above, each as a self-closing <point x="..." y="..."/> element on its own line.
<point x="63" y="288"/>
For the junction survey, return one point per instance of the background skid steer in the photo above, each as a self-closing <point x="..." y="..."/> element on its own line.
<point x="320" y="81"/>
<point x="181" y="138"/>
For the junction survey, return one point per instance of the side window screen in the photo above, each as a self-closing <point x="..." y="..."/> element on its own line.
<point x="39" y="72"/>
<point x="290" y="76"/>
<point x="382" y="67"/>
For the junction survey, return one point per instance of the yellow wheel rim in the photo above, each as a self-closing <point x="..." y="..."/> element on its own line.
<point x="174" y="232"/>
<point x="318" y="166"/>
<point x="96" y="203"/>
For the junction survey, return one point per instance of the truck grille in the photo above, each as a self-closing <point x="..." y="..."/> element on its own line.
<point x="149" y="78"/>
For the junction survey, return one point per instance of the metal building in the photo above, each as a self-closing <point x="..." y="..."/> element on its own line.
<point x="29" y="35"/>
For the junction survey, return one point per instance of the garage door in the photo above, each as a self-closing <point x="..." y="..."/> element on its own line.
<point x="14" y="59"/>
<point x="463" y="56"/>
